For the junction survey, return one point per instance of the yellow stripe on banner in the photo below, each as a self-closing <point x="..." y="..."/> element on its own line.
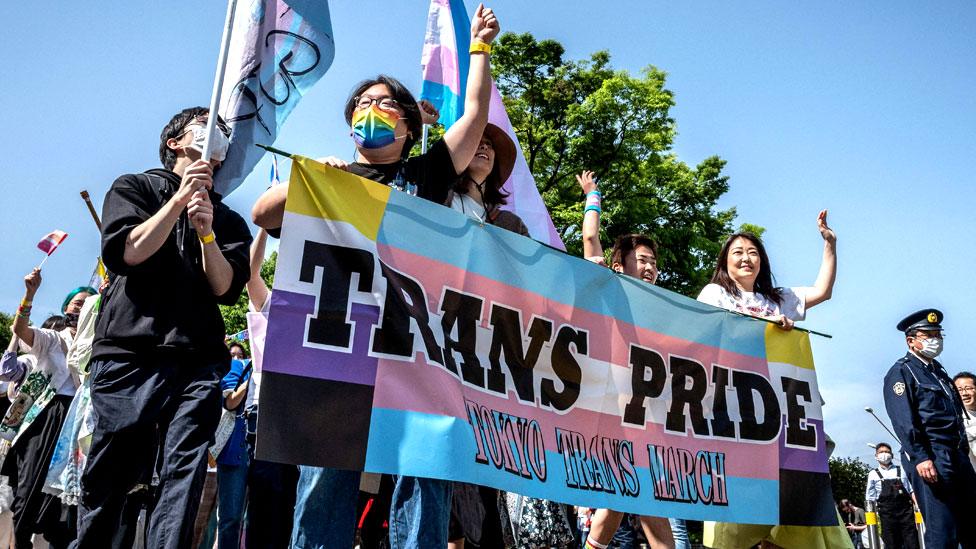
<point x="871" y="518"/>
<point x="317" y="190"/>
<point x="788" y="347"/>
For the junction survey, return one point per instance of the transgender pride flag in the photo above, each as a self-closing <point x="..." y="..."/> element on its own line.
<point x="445" y="78"/>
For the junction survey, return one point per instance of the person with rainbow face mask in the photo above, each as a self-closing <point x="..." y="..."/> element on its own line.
<point x="384" y="121"/>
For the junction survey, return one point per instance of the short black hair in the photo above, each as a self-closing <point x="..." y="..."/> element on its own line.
<point x="173" y="128"/>
<point x="964" y="375"/>
<point x="880" y="444"/>
<point x="627" y="243"/>
<point x="233" y="344"/>
<point x="54" y="322"/>
<point x="403" y="97"/>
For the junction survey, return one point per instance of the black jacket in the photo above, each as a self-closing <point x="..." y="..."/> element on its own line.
<point x="164" y="308"/>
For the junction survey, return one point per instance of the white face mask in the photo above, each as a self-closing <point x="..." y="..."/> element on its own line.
<point x="884" y="458"/>
<point x="219" y="146"/>
<point x="931" y="347"/>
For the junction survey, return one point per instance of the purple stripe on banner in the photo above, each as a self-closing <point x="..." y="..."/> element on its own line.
<point x="286" y="353"/>
<point x="797" y="459"/>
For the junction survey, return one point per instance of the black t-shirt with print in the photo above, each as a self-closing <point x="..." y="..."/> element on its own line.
<point x="432" y="172"/>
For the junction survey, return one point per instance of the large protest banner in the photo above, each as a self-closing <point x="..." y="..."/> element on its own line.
<point x="406" y="338"/>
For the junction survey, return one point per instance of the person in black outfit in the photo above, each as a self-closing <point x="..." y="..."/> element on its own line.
<point x="176" y="252"/>
<point x="890" y="489"/>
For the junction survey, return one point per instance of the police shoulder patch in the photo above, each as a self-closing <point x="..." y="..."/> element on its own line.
<point x="898" y="388"/>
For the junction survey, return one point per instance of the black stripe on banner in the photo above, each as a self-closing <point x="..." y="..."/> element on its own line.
<point x="805" y="499"/>
<point x="308" y="421"/>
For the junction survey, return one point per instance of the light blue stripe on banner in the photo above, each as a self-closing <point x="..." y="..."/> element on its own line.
<point x="504" y="256"/>
<point x="440" y="447"/>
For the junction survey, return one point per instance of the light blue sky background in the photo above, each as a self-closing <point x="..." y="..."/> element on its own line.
<point x="867" y="109"/>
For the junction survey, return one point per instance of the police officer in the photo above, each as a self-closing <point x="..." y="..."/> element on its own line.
<point x="889" y="488"/>
<point x="927" y="416"/>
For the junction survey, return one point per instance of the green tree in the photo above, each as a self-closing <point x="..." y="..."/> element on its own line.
<point x="849" y="479"/>
<point x="235" y="316"/>
<point x="6" y="321"/>
<point x="574" y="115"/>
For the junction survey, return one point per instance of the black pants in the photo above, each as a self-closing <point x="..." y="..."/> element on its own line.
<point x="27" y="465"/>
<point x="271" y="493"/>
<point x="898" y="525"/>
<point x="946" y="504"/>
<point x="135" y="402"/>
<point x="270" y="504"/>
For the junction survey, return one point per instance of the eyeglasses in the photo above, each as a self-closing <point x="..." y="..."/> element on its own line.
<point x="384" y="103"/>
<point x="966" y="389"/>
<point x="202" y="121"/>
<point x="930" y="335"/>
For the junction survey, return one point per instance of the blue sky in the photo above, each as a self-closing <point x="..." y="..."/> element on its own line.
<point x="866" y="109"/>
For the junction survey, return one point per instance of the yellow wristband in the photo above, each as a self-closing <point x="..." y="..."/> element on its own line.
<point x="479" y="47"/>
<point x="208" y="238"/>
<point x="25" y="303"/>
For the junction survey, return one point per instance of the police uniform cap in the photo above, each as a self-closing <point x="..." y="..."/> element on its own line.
<point x="926" y="319"/>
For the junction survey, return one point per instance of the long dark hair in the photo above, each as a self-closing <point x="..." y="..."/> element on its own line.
<point x="493" y="195"/>
<point x="411" y="112"/>
<point x="764" y="280"/>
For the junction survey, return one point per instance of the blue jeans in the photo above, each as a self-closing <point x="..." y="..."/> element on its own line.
<point x="420" y="513"/>
<point x="231" y="491"/>
<point x="680" y="532"/>
<point x="325" y="508"/>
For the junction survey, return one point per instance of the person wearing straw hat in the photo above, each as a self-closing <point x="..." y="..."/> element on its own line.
<point x="478" y="192"/>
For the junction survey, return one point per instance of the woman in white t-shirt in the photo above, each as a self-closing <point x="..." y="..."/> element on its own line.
<point x="743" y="280"/>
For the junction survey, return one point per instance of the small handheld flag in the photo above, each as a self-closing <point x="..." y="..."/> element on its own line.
<point x="50" y="243"/>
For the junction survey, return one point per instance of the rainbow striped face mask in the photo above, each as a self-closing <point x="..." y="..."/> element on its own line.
<point x="374" y="128"/>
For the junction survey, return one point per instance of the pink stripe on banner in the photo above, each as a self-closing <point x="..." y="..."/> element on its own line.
<point x="434" y="275"/>
<point x="435" y="391"/>
<point x="524" y="198"/>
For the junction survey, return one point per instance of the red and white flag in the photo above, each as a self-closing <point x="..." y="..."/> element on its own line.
<point x="51" y="242"/>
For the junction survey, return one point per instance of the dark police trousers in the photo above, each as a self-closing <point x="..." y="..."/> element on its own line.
<point x="897" y="515"/>
<point x="947" y="504"/>
<point x="137" y="403"/>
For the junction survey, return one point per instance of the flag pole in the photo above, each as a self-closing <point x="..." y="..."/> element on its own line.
<point x="219" y="77"/>
<point x="91" y="209"/>
<point x="41" y="264"/>
<point x="423" y="142"/>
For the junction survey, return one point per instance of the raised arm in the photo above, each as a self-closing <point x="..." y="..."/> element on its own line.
<point x="21" y="327"/>
<point x="592" y="249"/>
<point x="257" y="289"/>
<point x="463" y="137"/>
<point x="823" y="288"/>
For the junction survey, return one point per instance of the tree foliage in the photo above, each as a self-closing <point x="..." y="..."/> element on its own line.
<point x="849" y="479"/>
<point x="6" y="321"/>
<point x="574" y="115"/>
<point x="235" y="316"/>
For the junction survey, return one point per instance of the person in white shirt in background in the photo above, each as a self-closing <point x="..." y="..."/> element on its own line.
<point x="889" y="488"/>
<point x="965" y="383"/>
